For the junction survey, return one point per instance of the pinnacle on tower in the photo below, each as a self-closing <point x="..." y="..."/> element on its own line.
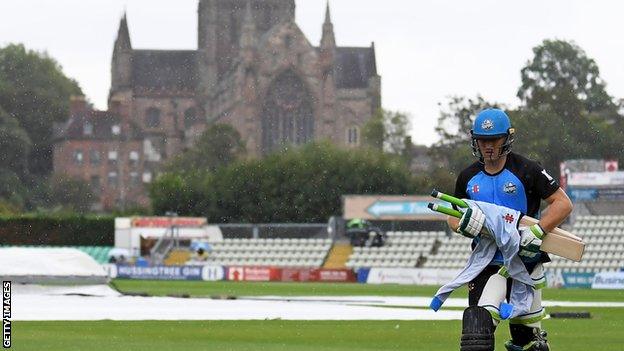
<point x="123" y="34"/>
<point x="327" y="14"/>
<point x="328" y="40"/>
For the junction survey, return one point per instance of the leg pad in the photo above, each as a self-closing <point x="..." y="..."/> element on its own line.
<point x="477" y="330"/>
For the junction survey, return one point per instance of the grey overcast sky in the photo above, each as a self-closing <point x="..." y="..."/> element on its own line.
<point x="426" y="50"/>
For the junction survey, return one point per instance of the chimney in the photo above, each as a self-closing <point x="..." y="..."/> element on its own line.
<point x="77" y="105"/>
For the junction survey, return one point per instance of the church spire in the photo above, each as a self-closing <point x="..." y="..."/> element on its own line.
<point x="122" y="57"/>
<point x="123" y="35"/>
<point x="328" y="40"/>
<point x="248" y="32"/>
<point x="327" y="14"/>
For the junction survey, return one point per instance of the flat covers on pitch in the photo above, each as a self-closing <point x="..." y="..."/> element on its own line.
<point x="49" y="265"/>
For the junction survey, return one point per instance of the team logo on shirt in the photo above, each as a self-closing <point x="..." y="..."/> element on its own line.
<point x="487" y="124"/>
<point x="510" y="188"/>
<point x="509" y="218"/>
<point x="475" y="188"/>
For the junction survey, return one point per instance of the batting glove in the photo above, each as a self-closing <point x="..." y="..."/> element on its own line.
<point x="530" y="240"/>
<point x="471" y="222"/>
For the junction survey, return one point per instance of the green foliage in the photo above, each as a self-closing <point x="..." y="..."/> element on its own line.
<point x="373" y="131"/>
<point x="71" y="193"/>
<point x="566" y="113"/>
<point x="34" y="93"/>
<point x="300" y="185"/>
<point x="218" y="146"/>
<point x="561" y="74"/>
<point x="34" y="90"/>
<point x="439" y="177"/>
<point x="7" y="209"/>
<point x="455" y="121"/>
<point x="172" y="192"/>
<point x="14" y="143"/>
<point x="70" y="230"/>
<point x="12" y="191"/>
<point x="387" y="130"/>
<point x="453" y="149"/>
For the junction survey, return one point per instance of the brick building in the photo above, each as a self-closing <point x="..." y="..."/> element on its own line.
<point x="253" y="69"/>
<point x="107" y="151"/>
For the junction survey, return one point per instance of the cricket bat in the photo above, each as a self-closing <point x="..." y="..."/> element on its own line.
<point x="557" y="242"/>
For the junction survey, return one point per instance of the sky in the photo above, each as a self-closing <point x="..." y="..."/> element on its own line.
<point x="427" y="50"/>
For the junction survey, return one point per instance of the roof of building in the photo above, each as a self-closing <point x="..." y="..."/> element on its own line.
<point x="165" y="69"/>
<point x="94" y="125"/>
<point x="354" y="66"/>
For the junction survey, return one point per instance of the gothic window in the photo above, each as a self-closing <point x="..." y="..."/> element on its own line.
<point x="152" y="117"/>
<point x="353" y="136"/>
<point x="190" y="117"/>
<point x="287" y="115"/>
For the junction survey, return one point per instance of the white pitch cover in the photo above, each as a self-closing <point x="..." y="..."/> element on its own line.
<point x="49" y="262"/>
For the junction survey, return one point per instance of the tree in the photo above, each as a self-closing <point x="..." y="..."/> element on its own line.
<point x="544" y="135"/>
<point x="218" y="146"/>
<point x="299" y="185"/>
<point x="454" y="126"/>
<point x="34" y="90"/>
<point x="562" y="75"/>
<point x="71" y="193"/>
<point x="455" y="121"/>
<point x="12" y="191"/>
<point x="566" y="110"/>
<point x="15" y="145"/>
<point x="387" y="130"/>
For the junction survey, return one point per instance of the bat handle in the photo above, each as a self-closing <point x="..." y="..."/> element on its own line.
<point x="447" y="211"/>
<point x="448" y="198"/>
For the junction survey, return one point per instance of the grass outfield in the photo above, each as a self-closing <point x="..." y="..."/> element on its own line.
<point x="203" y="289"/>
<point x="602" y="332"/>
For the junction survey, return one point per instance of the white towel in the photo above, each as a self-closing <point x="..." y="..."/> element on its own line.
<point x="502" y="222"/>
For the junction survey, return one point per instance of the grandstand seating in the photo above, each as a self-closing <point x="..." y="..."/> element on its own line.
<point x="281" y="252"/>
<point x="452" y="252"/>
<point x="603" y="235"/>
<point x="402" y="249"/>
<point x="604" y="250"/>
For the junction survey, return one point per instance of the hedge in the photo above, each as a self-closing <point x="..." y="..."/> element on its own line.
<point x="72" y="230"/>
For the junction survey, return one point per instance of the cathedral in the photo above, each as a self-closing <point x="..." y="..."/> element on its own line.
<point x="253" y="69"/>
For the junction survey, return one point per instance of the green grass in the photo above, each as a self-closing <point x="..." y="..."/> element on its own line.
<point x="197" y="288"/>
<point x="601" y="332"/>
